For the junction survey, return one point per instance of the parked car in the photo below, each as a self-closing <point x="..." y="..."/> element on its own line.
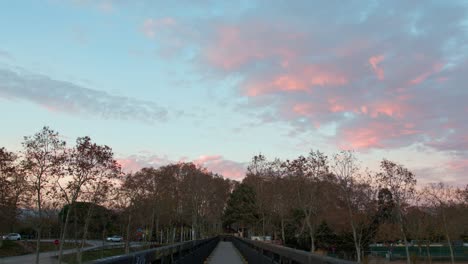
<point x="114" y="238"/>
<point x="12" y="236"/>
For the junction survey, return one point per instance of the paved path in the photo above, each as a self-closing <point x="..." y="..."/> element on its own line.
<point x="225" y="253"/>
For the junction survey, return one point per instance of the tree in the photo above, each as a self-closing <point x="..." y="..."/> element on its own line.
<point x="359" y="197"/>
<point x="125" y="198"/>
<point x="306" y="173"/>
<point x="94" y="167"/>
<point x="445" y="200"/>
<point x="87" y="162"/>
<point x="241" y="208"/>
<point x="44" y="157"/>
<point x="12" y="189"/>
<point x="258" y="177"/>
<point x="401" y="183"/>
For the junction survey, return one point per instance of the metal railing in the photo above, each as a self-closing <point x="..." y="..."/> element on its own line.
<point x="261" y="252"/>
<point x="196" y="251"/>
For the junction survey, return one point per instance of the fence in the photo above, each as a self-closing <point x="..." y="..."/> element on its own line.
<point x="260" y="252"/>
<point x="181" y="253"/>
<point x="423" y="252"/>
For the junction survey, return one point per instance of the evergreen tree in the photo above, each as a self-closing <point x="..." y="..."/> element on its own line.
<point x="241" y="210"/>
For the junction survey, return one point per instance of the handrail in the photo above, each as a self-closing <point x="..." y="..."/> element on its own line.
<point x="261" y="252"/>
<point x="185" y="252"/>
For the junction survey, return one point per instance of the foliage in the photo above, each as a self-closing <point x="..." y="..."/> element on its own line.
<point x="241" y="209"/>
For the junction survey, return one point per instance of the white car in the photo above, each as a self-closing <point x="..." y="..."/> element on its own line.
<point x="12" y="236"/>
<point x="114" y="239"/>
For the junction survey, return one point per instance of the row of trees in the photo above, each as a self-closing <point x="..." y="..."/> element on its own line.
<point x="328" y="203"/>
<point x="312" y="201"/>
<point x="80" y="191"/>
<point x="47" y="175"/>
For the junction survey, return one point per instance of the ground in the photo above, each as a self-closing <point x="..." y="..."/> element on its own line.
<point x="22" y="247"/>
<point x="94" y="254"/>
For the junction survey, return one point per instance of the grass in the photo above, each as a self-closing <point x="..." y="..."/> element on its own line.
<point x="17" y="248"/>
<point x="101" y="253"/>
<point x="12" y="248"/>
<point x="94" y="254"/>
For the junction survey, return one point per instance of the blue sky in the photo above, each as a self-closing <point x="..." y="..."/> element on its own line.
<point x="217" y="82"/>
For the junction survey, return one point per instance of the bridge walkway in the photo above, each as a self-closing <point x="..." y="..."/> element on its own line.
<point x="225" y="253"/>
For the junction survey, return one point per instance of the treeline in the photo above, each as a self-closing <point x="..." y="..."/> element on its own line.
<point x="80" y="192"/>
<point x="334" y="205"/>
<point x="312" y="202"/>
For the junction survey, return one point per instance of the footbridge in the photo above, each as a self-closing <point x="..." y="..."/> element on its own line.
<point x="222" y="250"/>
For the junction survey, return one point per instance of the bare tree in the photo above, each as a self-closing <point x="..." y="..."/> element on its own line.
<point x="305" y="172"/>
<point x="86" y="163"/>
<point x="12" y="189"/>
<point x="359" y="197"/>
<point x="444" y="199"/>
<point x="401" y="183"/>
<point x="44" y="156"/>
<point x="98" y="172"/>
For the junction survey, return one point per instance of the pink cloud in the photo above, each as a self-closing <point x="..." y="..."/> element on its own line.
<point x="227" y="168"/>
<point x="152" y="26"/>
<point x="305" y="75"/>
<point x="423" y="76"/>
<point x="215" y="163"/>
<point x="234" y="46"/>
<point x="395" y="108"/>
<point x="301" y="80"/>
<point x="374" y="62"/>
<point x="363" y="138"/>
<point x="458" y="165"/>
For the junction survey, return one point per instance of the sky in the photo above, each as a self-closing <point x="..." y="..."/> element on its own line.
<point x="217" y="82"/>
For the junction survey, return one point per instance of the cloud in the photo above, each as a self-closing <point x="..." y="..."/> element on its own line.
<point x="61" y="96"/>
<point x="382" y="74"/>
<point x="228" y="168"/>
<point x="152" y="26"/>
<point x="309" y="76"/>
<point x="374" y="62"/>
<point x="5" y="55"/>
<point x="215" y="163"/>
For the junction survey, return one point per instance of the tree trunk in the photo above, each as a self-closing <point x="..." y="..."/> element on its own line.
<point x="311" y="234"/>
<point x="283" y="237"/>
<point x="353" y="227"/>
<point x="150" y="236"/>
<point x="64" y="231"/>
<point x="181" y="233"/>
<point x="358" y="252"/>
<point x="452" y="257"/>
<point x="127" y="241"/>
<point x="157" y="228"/>
<point x="428" y="253"/>
<point x="39" y="227"/>
<point x="79" y="255"/>
<point x="402" y="229"/>
<point x="263" y="224"/>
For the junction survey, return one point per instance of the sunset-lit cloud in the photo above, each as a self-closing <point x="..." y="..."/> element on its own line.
<point x="214" y="163"/>
<point x="374" y="62"/>
<point x="375" y="76"/>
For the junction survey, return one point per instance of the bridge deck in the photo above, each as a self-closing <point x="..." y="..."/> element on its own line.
<point x="225" y="253"/>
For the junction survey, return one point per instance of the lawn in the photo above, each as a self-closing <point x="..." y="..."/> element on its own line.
<point x="17" y="248"/>
<point x="12" y="248"/>
<point x="94" y="254"/>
